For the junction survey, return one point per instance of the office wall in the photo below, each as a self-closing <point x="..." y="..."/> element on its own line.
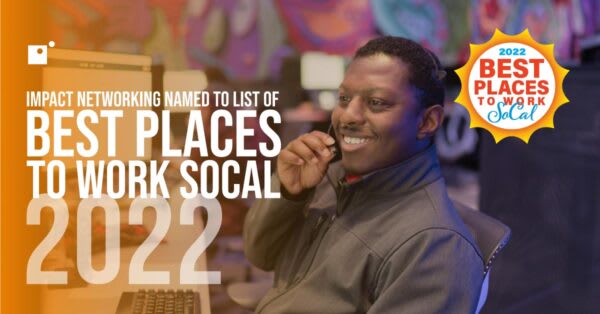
<point x="248" y="39"/>
<point x="548" y="192"/>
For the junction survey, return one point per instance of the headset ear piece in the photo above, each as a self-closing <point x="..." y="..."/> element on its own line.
<point x="438" y="73"/>
<point x="330" y="132"/>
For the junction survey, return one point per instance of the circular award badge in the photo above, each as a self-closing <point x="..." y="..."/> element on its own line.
<point x="512" y="85"/>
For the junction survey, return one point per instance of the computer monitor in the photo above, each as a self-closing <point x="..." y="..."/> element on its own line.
<point x="320" y="71"/>
<point x="78" y="70"/>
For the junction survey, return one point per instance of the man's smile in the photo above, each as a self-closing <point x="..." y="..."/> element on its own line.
<point x="352" y="141"/>
<point x="355" y="140"/>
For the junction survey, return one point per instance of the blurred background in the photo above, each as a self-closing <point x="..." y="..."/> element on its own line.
<point x="547" y="191"/>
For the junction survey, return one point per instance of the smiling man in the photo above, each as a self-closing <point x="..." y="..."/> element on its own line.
<point x="375" y="232"/>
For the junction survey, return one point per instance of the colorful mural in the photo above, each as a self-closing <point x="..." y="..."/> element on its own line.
<point x="248" y="39"/>
<point x="109" y="25"/>
<point x="420" y="20"/>
<point x="338" y="27"/>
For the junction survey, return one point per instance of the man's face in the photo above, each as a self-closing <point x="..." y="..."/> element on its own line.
<point x="376" y="119"/>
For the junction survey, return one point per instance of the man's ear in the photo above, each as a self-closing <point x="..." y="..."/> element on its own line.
<point x="431" y="120"/>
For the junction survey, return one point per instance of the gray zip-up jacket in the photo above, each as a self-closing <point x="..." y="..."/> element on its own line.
<point x="390" y="242"/>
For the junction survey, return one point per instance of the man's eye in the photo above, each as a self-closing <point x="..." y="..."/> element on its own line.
<point x="344" y="99"/>
<point x="375" y="102"/>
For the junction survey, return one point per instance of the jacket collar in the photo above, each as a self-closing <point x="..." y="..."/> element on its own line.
<point x="413" y="173"/>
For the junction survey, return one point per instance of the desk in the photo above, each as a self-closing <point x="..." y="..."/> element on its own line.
<point x="103" y="299"/>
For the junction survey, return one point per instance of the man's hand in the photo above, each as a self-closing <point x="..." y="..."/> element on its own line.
<point x="302" y="164"/>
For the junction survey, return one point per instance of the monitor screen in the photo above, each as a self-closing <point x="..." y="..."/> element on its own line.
<point x="86" y="71"/>
<point x="321" y="71"/>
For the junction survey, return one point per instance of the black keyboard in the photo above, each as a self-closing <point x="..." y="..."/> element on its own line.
<point x="159" y="302"/>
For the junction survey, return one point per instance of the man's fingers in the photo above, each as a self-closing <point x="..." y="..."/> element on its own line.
<point x="309" y="148"/>
<point x="316" y="144"/>
<point x="326" y="138"/>
<point x="299" y="148"/>
<point x="289" y="157"/>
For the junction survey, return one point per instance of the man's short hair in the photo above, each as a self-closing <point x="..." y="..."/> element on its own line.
<point x="425" y="71"/>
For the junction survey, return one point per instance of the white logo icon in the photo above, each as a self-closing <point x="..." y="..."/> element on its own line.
<point x="38" y="54"/>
